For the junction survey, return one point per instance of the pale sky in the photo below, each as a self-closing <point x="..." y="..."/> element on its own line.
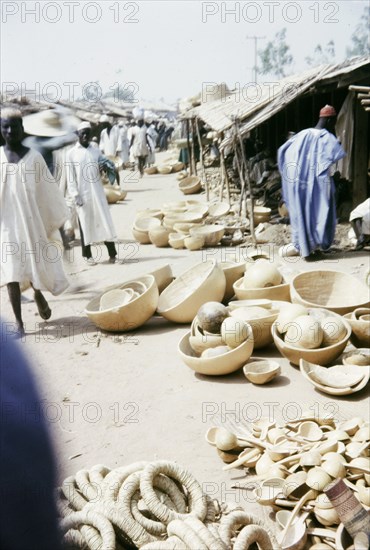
<point x="167" y="48"/>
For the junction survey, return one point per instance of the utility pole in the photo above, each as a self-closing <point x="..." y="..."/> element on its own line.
<point x="255" y="38"/>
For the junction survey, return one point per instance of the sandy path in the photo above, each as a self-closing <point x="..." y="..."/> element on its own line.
<point x="131" y="398"/>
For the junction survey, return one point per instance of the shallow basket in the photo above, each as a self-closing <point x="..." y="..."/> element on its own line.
<point x="150" y="170"/>
<point x="190" y="185"/>
<point x="164" y="169"/>
<point x="180" y="301"/>
<point x="319" y="356"/>
<point x="277" y="292"/>
<point x="215" y="366"/>
<point x="333" y="290"/>
<point x="129" y="316"/>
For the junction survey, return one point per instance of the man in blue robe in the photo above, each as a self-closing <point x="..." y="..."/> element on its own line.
<point x="308" y="189"/>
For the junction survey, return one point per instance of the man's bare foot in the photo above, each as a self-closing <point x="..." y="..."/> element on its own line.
<point x="42" y="305"/>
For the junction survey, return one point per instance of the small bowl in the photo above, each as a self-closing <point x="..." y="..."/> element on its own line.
<point x="175" y="240"/>
<point x="261" y="371"/>
<point x="261" y="327"/>
<point x="363" y="357"/>
<point x="218" y="209"/>
<point x="143" y="223"/>
<point x="164" y="169"/>
<point x="141" y="237"/>
<point x="319" y="356"/>
<point x="150" y="170"/>
<point x="184" y="228"/>
<point x="215" y="366"/>
<point x="194" y="242"/>
<point x="131" y="315"/>
<point x="180" y="301"/>
<point x="212" y="233"/>
<point x="159" y="236"/>
<point x="261" y="214"/>
<point x="278" y="292"/>
<point x="360" y="328"/>
<point x="190" y="185"/>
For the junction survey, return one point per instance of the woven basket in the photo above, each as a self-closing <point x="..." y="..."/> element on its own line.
<point x="151" y="170"/>
<point x="333" y="290"/>
<point x="164" y="169"/>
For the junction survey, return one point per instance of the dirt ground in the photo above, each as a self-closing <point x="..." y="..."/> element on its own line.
<point x="116" y="399"/>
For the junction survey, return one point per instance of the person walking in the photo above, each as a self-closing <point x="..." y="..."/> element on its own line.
<point x="84" y="184"/>
<point x="32" y="209"/>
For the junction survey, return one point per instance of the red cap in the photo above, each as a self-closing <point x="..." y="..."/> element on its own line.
<point x="328" y="111"/>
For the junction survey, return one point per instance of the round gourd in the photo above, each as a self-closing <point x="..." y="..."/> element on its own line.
<point x="235" y="331"/>
<point x="304" y="332"/>
<point x="262" y="274"/>
<point x="333" y="329"/>
<point x="213" y="352"/>
<point x="288" y="313"/>
<point x="210" y="316"/>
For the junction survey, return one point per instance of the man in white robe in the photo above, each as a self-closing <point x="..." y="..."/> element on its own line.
<point x="141" y="145"/>
<point x="84" y="184"/>
<point x="125" y="144"/>
<point x="110" y="139"/>
<point x="32" y="209"/>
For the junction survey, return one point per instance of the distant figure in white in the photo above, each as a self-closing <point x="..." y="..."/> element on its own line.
<point x="125" y="144"/>
<point x="110" y="138"/>
<point x="153" y="137"/>
<point x="140" y="145"/>
<point x="84" y="184"/>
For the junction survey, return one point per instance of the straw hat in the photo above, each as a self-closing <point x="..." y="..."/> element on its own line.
<point x="49" y="123"/>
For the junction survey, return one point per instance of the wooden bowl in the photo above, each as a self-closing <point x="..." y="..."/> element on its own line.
<point x="218" y="209"/>
<point x="159" y="235"/>
<point x="131" y="315"/>
<point x="143" y="223"/>
<point x="176" y="240"/>
<point x="261" y="214"/>
<point x="233" y="271"/>
<point x="150" y="170"/>
<point x="363" y="355"/>
<point x="163" y="276"/>
<point x="278" y="292"/>
<point x="150" y="213"/>
<point x="184" y="228"/>
<point x="164" y="169"/>
<point x="177" y="166"/>
<point x="194" y="242"/>
<point x="215" y="366"/>
<point x="319" y="356"/>
<point x="180" y="301"/>
<point x="327" y="289"/>
<point x="190" y="185"/>
<point x="114" y="193"/>
<point x="261" y="371"/>
<point x="141" y="237"/>
<point x="360" y="329"/>
<point x="212" y="233"/>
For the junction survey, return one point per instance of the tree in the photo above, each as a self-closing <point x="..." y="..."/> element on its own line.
<point x="361" y="36"/>
<point x="322" y="55"/>
<point x="276" y="57"/>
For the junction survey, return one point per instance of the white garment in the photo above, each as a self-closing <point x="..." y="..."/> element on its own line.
<point x="125" y="144"/>
<point x="60" y="160"/>
<point x="84" y="180"/>
<point x="152" y="136"/>
<point x="32" y="208"/>
<point x="131" y="132"/>
<point x="362" y="211"/>
<point x="140" y="145"/>
<point x="110" y="144"/>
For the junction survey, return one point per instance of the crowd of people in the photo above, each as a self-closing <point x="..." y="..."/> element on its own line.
<point x="52" y="182"/>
